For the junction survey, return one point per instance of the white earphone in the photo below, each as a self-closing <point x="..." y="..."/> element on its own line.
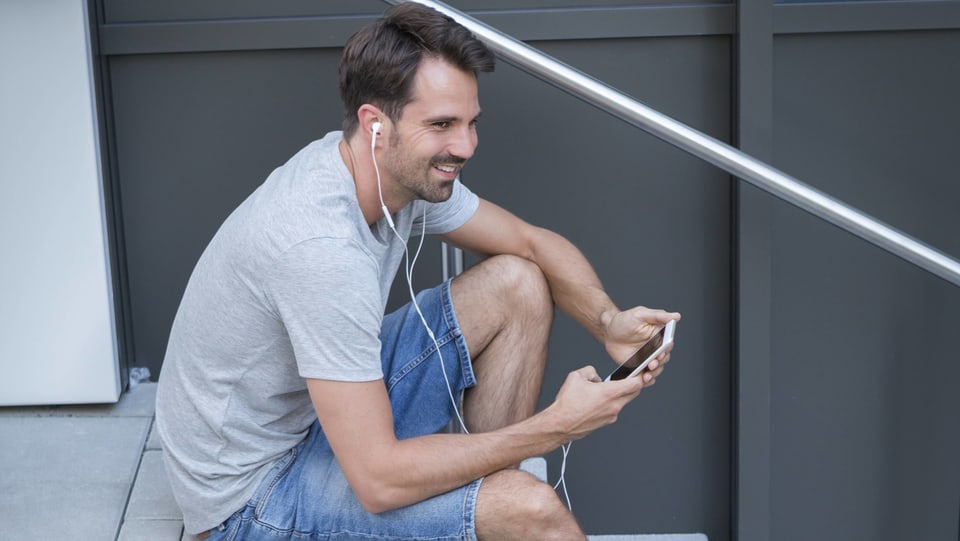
<point x="375" y="130"/>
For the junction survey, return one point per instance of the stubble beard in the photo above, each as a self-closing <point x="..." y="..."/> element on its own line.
<point x="415" y="175"/>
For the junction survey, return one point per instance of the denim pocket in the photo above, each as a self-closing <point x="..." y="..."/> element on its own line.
<point x="273" y="479"/>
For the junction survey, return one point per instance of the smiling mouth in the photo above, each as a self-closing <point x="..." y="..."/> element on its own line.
<point x="448" y="169"/>
<point x="448" y="164"/>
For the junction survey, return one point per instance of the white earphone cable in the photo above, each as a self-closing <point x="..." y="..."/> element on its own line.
<point x="409" y="265"/>
<point x="409" y="272"/>
<point x="563" y="474"/>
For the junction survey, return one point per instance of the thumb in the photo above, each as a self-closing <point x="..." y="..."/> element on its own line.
<point x="667" y="316"/>
<point x="627" y="386"/>
<point x="589" y="373"/>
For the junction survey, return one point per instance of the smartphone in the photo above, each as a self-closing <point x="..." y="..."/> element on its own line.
<point x="647" y="352"/>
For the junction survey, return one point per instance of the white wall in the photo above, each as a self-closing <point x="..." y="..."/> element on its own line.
<point x="57" y="338"/>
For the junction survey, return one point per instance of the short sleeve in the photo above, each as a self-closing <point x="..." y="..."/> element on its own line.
<point x="326" y="293"/>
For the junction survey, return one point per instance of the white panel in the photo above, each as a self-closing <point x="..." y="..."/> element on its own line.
<point x="57" y="338"/>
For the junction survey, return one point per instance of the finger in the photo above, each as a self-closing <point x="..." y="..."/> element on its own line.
<point x="664" y="356"/>
<point x="627" y="386"/>
<point x="671" y="316"/>
<point x="655" y="373"/>
<point x="655" y="315"/>
<point x="589" y="373"/>
<point x="661" y="360"/>
<point x="622" y="399"/>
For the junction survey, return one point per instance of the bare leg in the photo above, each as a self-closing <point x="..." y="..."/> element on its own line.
<point x="505" y="310"/>
<point x="513" y="504"/>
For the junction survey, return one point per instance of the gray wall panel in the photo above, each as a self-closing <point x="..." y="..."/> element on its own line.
<point x="864" y="408"/>
<point x="751" y="274"/>
<point x="333" y="29"/>
<point x="117" y="11"/>
<point x="884" y="110"/>
<point x="195" y="134"/>
<point x="185" y="10"/>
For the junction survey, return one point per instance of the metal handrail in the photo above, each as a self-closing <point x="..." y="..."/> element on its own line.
<point x="705" y="147"/>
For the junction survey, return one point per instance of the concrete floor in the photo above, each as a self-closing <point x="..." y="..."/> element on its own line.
<point x="85" y="472"/>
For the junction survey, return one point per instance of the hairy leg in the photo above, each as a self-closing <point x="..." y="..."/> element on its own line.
<point x="513" y="504"/>
<point x="505" y="310"/>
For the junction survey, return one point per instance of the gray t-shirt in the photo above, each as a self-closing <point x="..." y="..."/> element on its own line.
<point x="292" y="286"/>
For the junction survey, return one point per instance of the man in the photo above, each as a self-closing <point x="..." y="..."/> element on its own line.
<point x="290" y="406"/>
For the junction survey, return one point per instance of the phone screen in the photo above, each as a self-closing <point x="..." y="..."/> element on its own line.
<point x="639" y="357"/>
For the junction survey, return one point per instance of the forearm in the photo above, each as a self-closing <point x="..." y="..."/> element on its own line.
<point x="414" y="469"/>
<point x="418" y="468"/>
<point x="577" y="291"/>
<point x="575" y="286"/>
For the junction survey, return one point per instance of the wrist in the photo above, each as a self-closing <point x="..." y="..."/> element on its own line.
<point x="551" y="427"/>
<point x="606" y="319"/>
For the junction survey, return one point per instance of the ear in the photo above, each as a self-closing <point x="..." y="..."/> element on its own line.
<point x="368" y="115"/>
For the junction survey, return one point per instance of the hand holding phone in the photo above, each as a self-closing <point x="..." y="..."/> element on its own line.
<point x="635" y="364"/>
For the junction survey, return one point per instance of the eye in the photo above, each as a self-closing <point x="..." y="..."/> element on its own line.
<point x="441" y="124"/>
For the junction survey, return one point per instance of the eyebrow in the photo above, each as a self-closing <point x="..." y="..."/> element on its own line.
<point x="449" y="118"/>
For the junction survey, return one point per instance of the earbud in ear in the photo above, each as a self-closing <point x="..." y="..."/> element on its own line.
<point x="375" y="128"/>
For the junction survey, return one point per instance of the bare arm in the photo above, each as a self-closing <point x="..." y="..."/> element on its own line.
<point x="386" y="473"/>
<point x="574" y="284"/>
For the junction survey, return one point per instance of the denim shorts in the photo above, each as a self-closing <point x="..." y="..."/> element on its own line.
<point x="306" y="496"/>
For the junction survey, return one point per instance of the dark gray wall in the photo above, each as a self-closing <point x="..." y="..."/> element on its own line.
<point x="866" y="443"/>
<point x="808" y="396"/>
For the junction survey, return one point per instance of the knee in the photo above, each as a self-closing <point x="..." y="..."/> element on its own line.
<point x="522" y="503"/>
<point x="522" y="283"/>
<point x="539" y="503"/>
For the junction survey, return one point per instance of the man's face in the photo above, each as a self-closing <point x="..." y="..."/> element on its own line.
<point x="435" y="135"/>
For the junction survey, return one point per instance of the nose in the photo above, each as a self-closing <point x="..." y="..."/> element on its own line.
<point x="464" y="142"/>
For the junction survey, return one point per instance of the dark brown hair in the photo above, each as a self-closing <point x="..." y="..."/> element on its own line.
<point x="380" y="60"/>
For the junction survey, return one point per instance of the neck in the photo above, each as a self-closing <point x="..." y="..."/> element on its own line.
<point x="356" y="156"/>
